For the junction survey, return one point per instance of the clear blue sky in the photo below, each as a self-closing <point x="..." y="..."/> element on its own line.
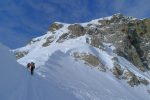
<point x="20" y="20"/>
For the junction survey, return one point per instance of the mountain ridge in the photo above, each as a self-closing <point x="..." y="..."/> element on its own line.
<point x="117" y="44"/>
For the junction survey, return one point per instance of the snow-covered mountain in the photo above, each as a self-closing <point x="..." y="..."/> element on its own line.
<point x="104" y="59"/>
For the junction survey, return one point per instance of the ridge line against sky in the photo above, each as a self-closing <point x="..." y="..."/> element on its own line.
<point x="22" y="20"/>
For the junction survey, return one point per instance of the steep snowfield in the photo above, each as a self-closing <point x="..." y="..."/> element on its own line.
<point x="87" y="83"/>
<point x="16" y="83"/>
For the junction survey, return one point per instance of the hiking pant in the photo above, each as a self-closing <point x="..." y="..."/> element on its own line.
<point x="32" y="70"/>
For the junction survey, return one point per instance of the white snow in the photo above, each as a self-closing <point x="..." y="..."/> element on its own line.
<point x="58" y="76"/>
<point x="16" y="83"/>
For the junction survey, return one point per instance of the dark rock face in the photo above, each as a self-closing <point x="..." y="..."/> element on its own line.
<point x="136" y="43"/>
<point x="131" y="39"/>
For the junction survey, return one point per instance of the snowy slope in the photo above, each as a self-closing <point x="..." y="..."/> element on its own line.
<point x="16" y="83"/>
<point x="86" y="83"/>
<point x="56" y="63"/>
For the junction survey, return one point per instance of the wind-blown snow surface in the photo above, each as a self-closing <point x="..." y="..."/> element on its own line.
<point x="87" y="83"/>
<point x="16" y="83"/>
<point x="55" y="64"/>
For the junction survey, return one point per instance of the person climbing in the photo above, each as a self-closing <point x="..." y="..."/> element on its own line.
<point x="32" y="67"/>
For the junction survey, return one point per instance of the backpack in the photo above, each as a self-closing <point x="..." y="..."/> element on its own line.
<point x="32" y="64"/>
<point x="28" y="65"/>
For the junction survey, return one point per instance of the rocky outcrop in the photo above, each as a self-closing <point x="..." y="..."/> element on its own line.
<point x="63" y="37"/>
<point x="117" y="70"/>
<point x="130" y="37"/>
<point x="127" y="75"/>
<point x="131" y="78"/>
<point x="134" y="80"/>
<point x="48" y="41"/>
<point x="136" y="42"/>
<point x="21" y="54"/>
<point x="90" y="59"/>
<point x="124" y="73"/>
<point x="76" y="30"/>
<point x="55" y="26"/>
